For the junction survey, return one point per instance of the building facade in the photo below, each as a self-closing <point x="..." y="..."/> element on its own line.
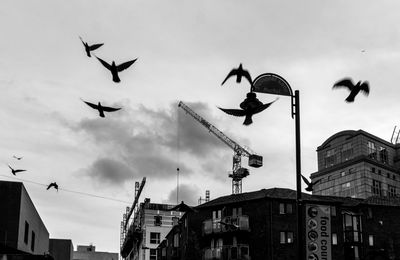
<point x="357" y="164"/>
<point x="262" y="225"/>
<point x="89" y="253"/>
<point x="152" y="222"/>
<point x="61" y="249"/>
<point x="22" y="231"/>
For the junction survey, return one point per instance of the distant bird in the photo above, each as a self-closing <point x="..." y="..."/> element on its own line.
<point x="101" y="108"/>
<point x="89" y="48"/>
<point x="354" y="89"/>
<point x="18" y="158"/>
<point x="250" y="106"/>
<point x="310" y="185"/>
<point x="14" y="171"/>
<point x="54" y="185"/>
<point x="239" y="73"/>
<point x="116" y="68"/>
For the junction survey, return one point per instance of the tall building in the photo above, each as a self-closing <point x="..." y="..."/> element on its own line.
<point x="89" y="253"/>
<point x="357" y="164"/>
<point x="151" y="223"/>
<point x="22" y="231"/>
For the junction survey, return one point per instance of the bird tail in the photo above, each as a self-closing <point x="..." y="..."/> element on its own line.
<point x="248" y="120"/>
<point x="116" y="78"/>
<point x="350" y="99"/>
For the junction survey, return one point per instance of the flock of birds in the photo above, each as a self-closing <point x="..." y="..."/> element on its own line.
<point x="249" y="107"/>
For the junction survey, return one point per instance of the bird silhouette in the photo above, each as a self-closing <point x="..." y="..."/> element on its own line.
<point x="250" y="106"/>
<point x="354" y="89"/>
<point x="101" y="108"/>
<point x="310" y="185"/>
<point x="239" y="73"/>
<point x="14" y="171"/>
<point x="116" y="68"/>
<point x="89" y="48"/>
<point x="54" y="185"/>
<point x="18" y="158"/>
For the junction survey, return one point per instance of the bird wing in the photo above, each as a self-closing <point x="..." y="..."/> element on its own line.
<point x="19" y="171"/>
<point x="10" y="167"/>
<point x="125" y="65"/>
<point x="316" y="181"/>
<point x="365" y="88"/>
<point x="105" y="64"/>
<point x="110" y="109"/>
<point x="50" y="185"/>
<point x="91" y="105"/>
<point x="82" y="41"/>
<point x="246" y="74"/>
<point x="95" y="46"/>
<point x="230" y="74"/>
<point x="305" y="180"/>
<point x="263" y="107"/>
<point x="346" y="82"/>
<point x="234" y="112"/>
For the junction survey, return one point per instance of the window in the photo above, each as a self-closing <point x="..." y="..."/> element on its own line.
<point x="217" y="214"/>
<point x="352" y="228"/>
<point x="371" y="150"/>
<point x="153" y="254"/>
<point x="330" y="158"/>
<point x="176" y="240"/>
<point x="369" y="213"/>
<point x="334" y="239"/>
<point x="285" y="208"/>
<point x="347" y="151"/>
<point x="26" y="234"/>
<point x="373" y="169"/>
<point x="371" y="240"/>
<point x="154" y="238"/>
<point x="33" y="241"/>
<point x="383" y="155"/>
<point x="391" y="191"/>
<point x="175" y="221"/>
<point x="333" y="211"/>
<point x="343" y="173"/>
<point x="376" y="187"/>
<point x="286" y="237"/>
<point x="157" y="220"/>
<point x="346" y="185"/>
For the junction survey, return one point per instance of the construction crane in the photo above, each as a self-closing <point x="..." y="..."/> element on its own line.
<point x="238" y="172"/>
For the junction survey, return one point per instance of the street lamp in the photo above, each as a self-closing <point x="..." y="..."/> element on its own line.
<point x="271" y="83"/>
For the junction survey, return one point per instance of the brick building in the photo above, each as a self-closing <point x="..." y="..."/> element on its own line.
<point x="262" y="225"/>
<point x="357" y="164"/>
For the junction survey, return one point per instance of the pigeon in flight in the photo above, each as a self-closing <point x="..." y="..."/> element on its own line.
<point x="116" y="68"/>
<point x="310" y="185"/>
<point x="89" y="48"/>
<point x="239" y="73"/>
<point x="354" y="89"/>
<point x="250" y="106"/>
<point x="101" y="108"/>
<point x="54" y="185"/>
<point x="14" y="171"/>
<point x="18" y="158"/>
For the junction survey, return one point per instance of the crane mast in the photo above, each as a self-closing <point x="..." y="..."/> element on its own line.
<point x="238" y="172"/>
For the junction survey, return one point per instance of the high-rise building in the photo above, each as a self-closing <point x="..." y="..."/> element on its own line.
<point x="357" y="164"/>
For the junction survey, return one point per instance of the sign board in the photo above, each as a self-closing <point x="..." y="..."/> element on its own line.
<point x="271" y="83"/>
<point x="318" y="232"/>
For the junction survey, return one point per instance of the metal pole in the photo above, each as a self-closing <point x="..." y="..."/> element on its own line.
<point x="300" y="232"/>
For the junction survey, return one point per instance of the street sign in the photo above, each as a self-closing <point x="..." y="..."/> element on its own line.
<point x="271" y="83"/>
<point x="318" y="232"/>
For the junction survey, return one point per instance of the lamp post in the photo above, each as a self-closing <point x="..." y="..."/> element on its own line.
<point x="274" y="84"/>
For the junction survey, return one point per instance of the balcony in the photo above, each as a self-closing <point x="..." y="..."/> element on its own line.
<point x="226" y="224"/>
<point x="239" y="252"/>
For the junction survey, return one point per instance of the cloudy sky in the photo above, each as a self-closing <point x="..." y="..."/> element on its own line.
<point x="184" y="49"/>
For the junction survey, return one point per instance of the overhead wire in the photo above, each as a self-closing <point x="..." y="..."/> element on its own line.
<point x="66" y="190"/>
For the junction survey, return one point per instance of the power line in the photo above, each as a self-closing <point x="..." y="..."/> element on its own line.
<point x="71" y="191"/>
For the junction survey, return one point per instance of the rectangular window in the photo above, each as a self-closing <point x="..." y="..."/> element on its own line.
<point x="333" y="211"/>
<point x="371" y="240"/>
<point x="391" y="191"/>
<point x="334" y="239"/>
<point x="154" y="238"/>
<point x="176" y="240"/>
<point x="383" y="155"/>
<point x="153" y="254"/>
<point x="330" y="158"/>
<point x="286" y="237"/>
<point x="372" y="150"/>
<point x="33" y="241"/>
<point x="26" y="234"/>
<point x="376" y="187"/>
<point x="285" y="208"/>
<point x="347" y="151"/>
<point x="175" y="221"/>
<point x="157" y="220"/>
<point x="369" y="213"/>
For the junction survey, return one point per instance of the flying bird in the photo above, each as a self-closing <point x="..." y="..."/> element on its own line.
<point x="14" y="171"/>
<point x="354" y="89"/>
<point x="101" y="108"/>
<point x="310" y="185"/>
<point x="54" y="185"/>
<point x="116" y="68"/>
<point x="18" y="158"/>
<point x="250" y="106"/>
<point x="239" y="73"/>
<point x="89" y="48"/>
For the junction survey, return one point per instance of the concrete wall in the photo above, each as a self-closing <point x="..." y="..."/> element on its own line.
<point x="61" y="249"/>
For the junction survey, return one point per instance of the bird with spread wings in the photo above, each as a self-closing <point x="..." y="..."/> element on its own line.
<point x="354" y="89"/>
<point x="114" y="69"/>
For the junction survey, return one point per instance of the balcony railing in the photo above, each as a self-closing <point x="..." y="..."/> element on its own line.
<point x="226" y="224"/>
<point x="239" y="252"/>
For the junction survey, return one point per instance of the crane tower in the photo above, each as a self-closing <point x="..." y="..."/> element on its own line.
<point x="238" y="172"/>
